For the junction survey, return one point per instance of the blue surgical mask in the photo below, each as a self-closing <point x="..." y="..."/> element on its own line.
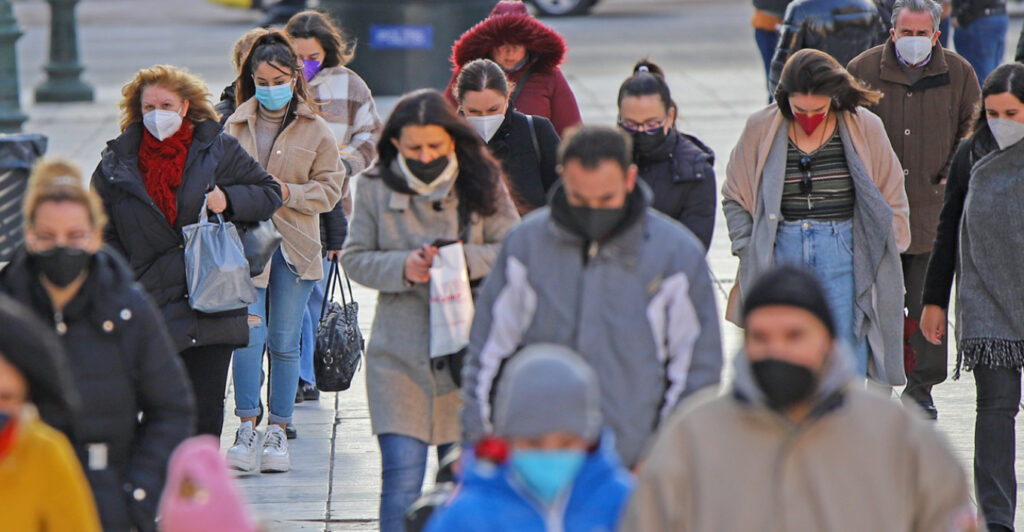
<point x="547" y="473"/>
<point x="274" y="97"/>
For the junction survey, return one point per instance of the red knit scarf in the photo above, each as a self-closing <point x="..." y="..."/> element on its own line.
<point x="162" y="164"/>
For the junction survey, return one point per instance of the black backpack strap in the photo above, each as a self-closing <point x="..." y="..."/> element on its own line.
<point x="519" y="86"/>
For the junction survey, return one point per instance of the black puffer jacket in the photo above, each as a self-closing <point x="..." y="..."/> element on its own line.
<point x="840" y="28"/>
<point x="155" y="250"/>
<point x="681" y="174"/>
<point x="530" y="168"/>
<point x="123" y="363"/>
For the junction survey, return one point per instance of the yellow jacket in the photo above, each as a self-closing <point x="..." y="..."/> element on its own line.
<point x="42" y="485"/>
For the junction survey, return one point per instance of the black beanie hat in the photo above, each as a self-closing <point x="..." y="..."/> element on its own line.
<point x="792" y="287"/>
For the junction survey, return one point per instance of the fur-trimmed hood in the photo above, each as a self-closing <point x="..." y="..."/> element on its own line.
<point x="510" y="22"/>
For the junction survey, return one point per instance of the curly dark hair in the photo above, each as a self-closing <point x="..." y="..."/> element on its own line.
<point x="480" y="177"/>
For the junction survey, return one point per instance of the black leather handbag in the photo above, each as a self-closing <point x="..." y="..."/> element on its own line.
<point x="260" y="243"/>
<point x="339" y="342"/>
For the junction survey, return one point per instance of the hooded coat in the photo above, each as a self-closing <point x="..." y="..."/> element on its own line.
<point x="156" y="250"/>
<point x="124" y="364"/>
<point x="859" y="461"/>
<point x="546" y="92"/>
<point x="639" y="307"/>
<point x="596" y="501"/>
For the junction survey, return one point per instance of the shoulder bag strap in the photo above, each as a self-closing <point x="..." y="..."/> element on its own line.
<point x="332" y="275"/>
<point x="519" y="86"/>
<point x="536" y="143"/>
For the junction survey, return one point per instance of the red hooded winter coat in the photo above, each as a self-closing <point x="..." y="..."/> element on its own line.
<point x="546" y="92"/>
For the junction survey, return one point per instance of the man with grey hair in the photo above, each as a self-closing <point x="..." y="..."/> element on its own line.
<point x="931" y="95"/>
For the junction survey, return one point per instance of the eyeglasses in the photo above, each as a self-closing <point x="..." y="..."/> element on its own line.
<point x="650" y="127"/>
<point x="806" y="185"/>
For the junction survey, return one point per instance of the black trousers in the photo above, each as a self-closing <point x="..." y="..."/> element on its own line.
<point x="994" y="443"/>
<point x="931" y="358"/>
<point x="207" y="368"/>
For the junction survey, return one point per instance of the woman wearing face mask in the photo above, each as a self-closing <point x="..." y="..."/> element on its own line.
<point x="346" y="103"/>
<point x="678" y="167"/>
<point x="813" y="182"/>
<point x="41" y="480"/>
<point x="275" y="123"/>
<point x="530" y="54"/>
<point x="153" y="178"/>
<point x="527" y="146"/>
<point x="121" y="357"/>
<point x="434" y="181"/>
<point x="978" y="233"/>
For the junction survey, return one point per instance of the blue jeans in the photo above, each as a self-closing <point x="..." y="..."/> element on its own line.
<point x="767" y="41"/>
<point x="310" y="321"/>
<point x="403" y="465"/>
<point x="826" y="249"/>
<point x="983" y="43"/>
<point x="279" y="326"/>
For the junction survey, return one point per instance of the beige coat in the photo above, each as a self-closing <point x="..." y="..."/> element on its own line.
<point x="861" y="462"/>
<point x="305" y="157"/>
<point x="408" y="394"/>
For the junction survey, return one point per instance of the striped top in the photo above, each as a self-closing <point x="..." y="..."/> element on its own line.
<point x="831" y="196"/>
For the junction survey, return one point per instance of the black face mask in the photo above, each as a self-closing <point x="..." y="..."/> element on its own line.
<point x="61" y="264"/>
<point x="646" y="142"/>
<point x="597" y="223"/>
<point x="784" y="384"/>
<point x="427" y="172"/>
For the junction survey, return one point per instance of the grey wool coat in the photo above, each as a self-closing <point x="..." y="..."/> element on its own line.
<point x="408" y="394"/>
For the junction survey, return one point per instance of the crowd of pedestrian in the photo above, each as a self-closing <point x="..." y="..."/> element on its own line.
<point x="584" y="390"/>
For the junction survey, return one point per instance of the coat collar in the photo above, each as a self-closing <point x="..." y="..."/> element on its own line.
<point x="625" y="244"/>
<point x="247" y="112"/>
<point x="828" y="396"/>
<point x="893" y="72"/>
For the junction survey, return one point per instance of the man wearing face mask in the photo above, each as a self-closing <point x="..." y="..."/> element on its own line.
<point x="921" y="81"/>
<point x="599" y="271"/>
<point x="796" y="444"/>
<point x="550" y="462"/>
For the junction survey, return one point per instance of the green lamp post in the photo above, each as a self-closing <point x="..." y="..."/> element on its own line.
<point x="63" y="83"/>
<point x="11" y="116"/>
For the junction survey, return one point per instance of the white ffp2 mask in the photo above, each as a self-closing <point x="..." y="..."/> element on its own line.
<point x="1006" y="132"/>
<point x="914" y="50"/>
<point x="486" y="126"/>
<point x="162" y="123"/>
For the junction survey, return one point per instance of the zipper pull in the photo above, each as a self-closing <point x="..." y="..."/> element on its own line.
<point x="592" y="250"/>
<point x="59" y="325"/>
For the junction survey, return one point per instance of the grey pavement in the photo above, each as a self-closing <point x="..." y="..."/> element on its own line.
<point x="706" y="48"/>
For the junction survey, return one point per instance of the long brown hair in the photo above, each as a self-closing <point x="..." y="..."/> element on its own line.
<point x="177" y="80"/>
<point x="812" y="71"/>
<point x="309" y="24"/>
<point x="275" y="49"/>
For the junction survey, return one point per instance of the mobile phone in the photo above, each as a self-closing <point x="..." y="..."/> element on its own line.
<point x="442" y="242"/>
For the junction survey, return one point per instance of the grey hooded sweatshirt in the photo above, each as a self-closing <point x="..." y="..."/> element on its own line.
<point x="638" y="307"/>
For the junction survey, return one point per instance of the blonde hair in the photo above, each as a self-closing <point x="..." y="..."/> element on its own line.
<point x="243" y="45"/>
<point x="177" y="80"/>
<point x="54" y="179"/>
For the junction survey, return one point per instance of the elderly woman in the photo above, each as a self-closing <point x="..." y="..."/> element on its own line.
<point x="434" y="181"/>
<point x="152" y="178"/>
<point x="529" y="53"/>
<point x="813" y="182"/>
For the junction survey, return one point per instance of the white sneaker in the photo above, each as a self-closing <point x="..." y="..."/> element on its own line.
<point x="243" y="454"/>
<point x="275" y="451"/>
